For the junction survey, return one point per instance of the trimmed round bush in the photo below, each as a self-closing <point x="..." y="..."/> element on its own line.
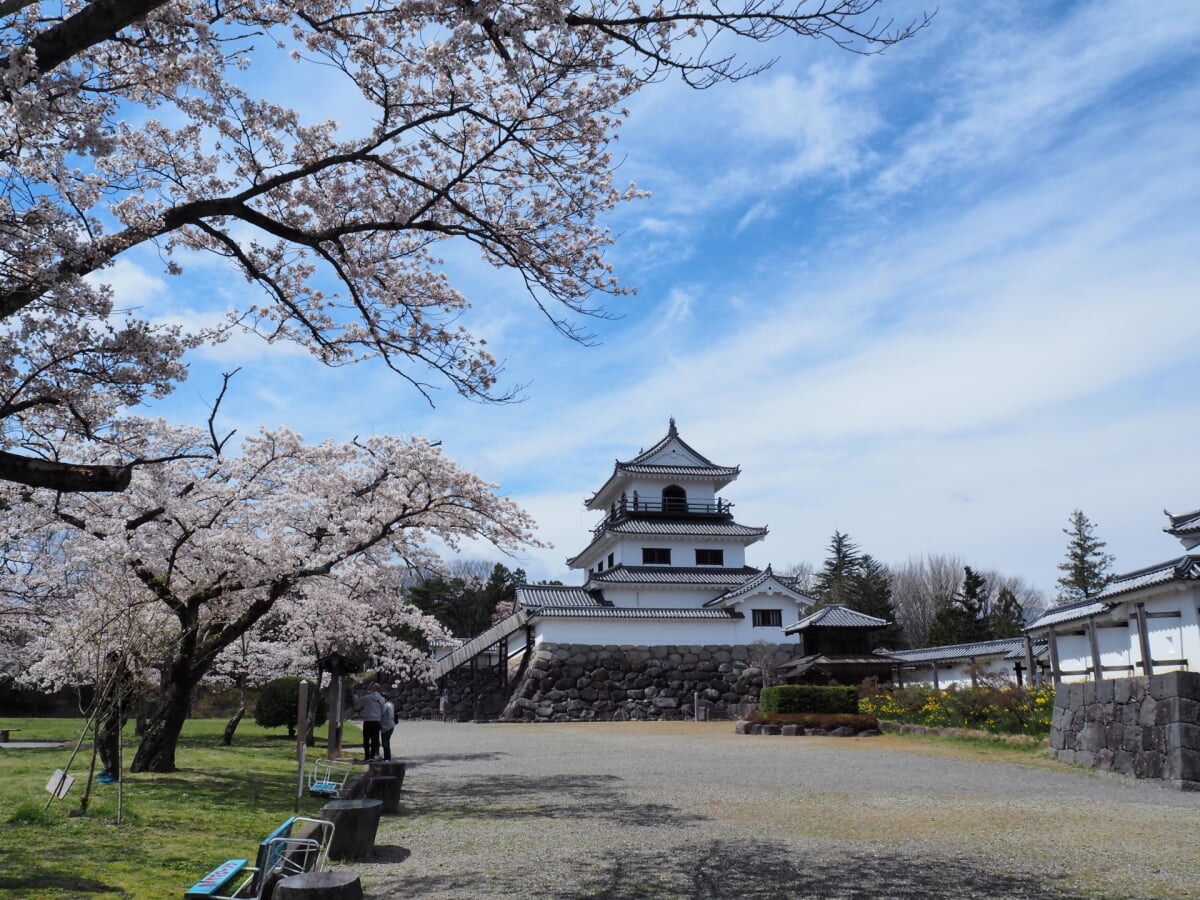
<point x="279" y="704"/>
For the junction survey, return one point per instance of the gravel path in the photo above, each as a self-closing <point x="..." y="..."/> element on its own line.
<point x="675" y="810"/>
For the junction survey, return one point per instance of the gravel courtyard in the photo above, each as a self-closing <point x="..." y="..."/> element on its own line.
<point x="675" y="810"/>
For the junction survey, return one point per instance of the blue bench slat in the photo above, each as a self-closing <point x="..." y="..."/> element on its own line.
<point x="217" y="878"/>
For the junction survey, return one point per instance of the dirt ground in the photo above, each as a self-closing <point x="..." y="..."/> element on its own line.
<point x="681" y="810"/>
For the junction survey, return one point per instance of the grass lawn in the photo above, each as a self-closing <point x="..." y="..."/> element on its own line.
<point x="174" y="828"/>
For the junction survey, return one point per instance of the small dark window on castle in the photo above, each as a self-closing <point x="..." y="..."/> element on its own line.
<point x="710" y="557"/>
<point x="610" y="560"/>
<point x="656" y="556"/>
<point x="767" y="618"/>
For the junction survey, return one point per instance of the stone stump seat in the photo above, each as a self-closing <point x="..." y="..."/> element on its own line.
<point x="355" y="823"/>
<point x="394" y="768"/>
<point x="385" y="788"/>
<point x="340" y="885"/>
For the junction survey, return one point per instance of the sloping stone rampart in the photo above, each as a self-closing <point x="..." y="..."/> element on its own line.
<point x="577" y="682"/>
<point x="1145" y="727"/>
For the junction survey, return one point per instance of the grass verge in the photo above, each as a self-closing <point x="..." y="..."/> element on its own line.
<point x="174" y="828"/>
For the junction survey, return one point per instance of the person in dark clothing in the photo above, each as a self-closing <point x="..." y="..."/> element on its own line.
<point x="111" y="716"/>
<point x="369" y="706"/>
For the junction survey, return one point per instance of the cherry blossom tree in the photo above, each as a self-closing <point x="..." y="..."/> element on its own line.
<point x="135" y="124"/>
<point x="199" y="549"/>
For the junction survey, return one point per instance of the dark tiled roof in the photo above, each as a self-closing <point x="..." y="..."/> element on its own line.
<point x="823" y="662"/>
<point x="755" y="583"/>
<point x="687" y="528"/>
<point x="1186" y="568"/>
<point x="706" y="472"/>
<point x="961" y="651"/>
<point x="836" y="617"/>
<point x="538" y="595"/>
<point x="671" y="435"/>
<point x="700" y="528"/>
<point x="1067" y="612"/>
<point x="639" y="465"/>
<point x="701" y="576"/>
<point x="632" y="612"/>
<point x="1184" y="523"/>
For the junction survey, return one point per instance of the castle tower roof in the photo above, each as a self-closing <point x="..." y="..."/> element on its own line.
<point x="671" y="459"/>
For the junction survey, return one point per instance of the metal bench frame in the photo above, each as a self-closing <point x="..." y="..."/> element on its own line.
<point x="283" y="852"/>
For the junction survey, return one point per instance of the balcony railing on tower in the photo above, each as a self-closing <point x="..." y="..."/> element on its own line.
<point x="665" y="508"/>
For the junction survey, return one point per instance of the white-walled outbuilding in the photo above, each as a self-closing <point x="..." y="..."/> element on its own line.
<point x="1146" y="622"/>
<point x="967" y="665"/>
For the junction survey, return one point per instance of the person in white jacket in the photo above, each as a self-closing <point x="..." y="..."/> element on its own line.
<point x="387" y="724"/>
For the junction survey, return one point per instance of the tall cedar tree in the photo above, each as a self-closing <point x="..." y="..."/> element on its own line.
<point x="964" y="619"/>
<point x="860" y="582"/>
<point x="1087" y="570"/>
<point x="833" y="585"/>
<point x="1006" y="617"/>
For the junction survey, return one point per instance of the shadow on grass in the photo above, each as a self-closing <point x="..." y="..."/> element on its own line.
<point x="738" y="871"/>
<point x="216" y="789"/>
<point x="36" y="879"/>
<point x="565" y="797"/>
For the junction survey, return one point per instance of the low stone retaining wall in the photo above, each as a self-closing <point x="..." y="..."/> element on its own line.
<point x="575" y="682"/>
<point x="744" y="726"/>
<point x="1145" y="727"/>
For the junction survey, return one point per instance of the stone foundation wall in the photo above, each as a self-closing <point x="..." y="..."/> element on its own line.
<point x="1145" y="727"/>
<point x="575" y="682"/>
<point x="418" y="700"/>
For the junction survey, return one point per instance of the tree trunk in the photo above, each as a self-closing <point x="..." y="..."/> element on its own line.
<point x="231" y="727"/>
<point x="156" y="752"/>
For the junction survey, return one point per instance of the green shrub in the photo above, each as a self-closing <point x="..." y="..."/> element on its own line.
<point x="279" y="701"/>
<point x="808" y="698"/>
<point x="1011" y="710"/>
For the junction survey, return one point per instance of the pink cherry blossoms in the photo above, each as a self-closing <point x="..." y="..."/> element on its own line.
<point x="134" y="124"/>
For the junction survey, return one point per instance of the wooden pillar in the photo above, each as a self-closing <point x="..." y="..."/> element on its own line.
<point x="1019" y="668"/>
<point x="1144" y="641"/>
<point x="504" y="661"/>
<point x="1094" y="643"/>
<point x="333" y="746"/>
<point x="935" y="677"/>
<point x="974" y="672"/>
<point x="1055" y="667"/>
<point x="1029" y="661"/>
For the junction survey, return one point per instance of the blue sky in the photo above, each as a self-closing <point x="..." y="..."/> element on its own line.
<point x="936" y="299"/>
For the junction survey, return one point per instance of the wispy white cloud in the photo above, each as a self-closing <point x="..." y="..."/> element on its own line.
<point x="937" y="299"/>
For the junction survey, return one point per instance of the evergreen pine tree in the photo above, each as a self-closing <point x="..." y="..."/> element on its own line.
<point x="1087" y="568"/>
<point x="964" y="619"/>
<point x="1006" y="618"/>
<point x="834" y="584"/>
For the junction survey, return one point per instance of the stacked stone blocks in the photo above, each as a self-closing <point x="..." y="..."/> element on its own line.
<point x="581" y="682"/>
<point x="1144" y="727"/>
